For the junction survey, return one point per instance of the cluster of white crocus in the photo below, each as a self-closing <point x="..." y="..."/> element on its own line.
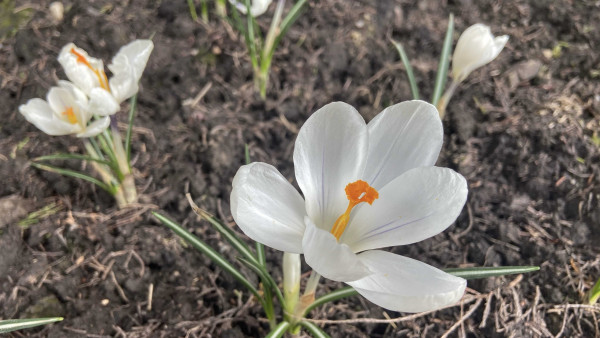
<point x="257" y="7"/>
<point x="71" y="106"/>
<point x="365" y="187"/>
<point x="476" y="47"/>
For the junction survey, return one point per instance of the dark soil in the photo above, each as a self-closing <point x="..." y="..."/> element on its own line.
<point x="523" y="130"/>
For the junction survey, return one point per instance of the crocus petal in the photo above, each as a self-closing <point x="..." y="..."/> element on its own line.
<point x="77" y="94"/>
<point x="135" y="55"/>
<point x="40" y="114"/>
<point x="102" y="103"/>
<point x="267" y="207"/>
<point x="127" y="68"/>
<point x="419" y="204"/>
<point x="78" y="71"/>
<point x="329" y="154"/>
<point x="329" y="258"/>
<point x="476" y="47"/>
<point x="78" y="101"/>
<point x="60" y="99"/>
<point x="66" y="108"/>
<point x="404" y="136"/>
<point x="258" y="7"/>
<point x="96" y="127"/>
<point x="403" y="284"/>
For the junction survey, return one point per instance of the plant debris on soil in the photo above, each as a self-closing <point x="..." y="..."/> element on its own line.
<point x="524" y="131"/>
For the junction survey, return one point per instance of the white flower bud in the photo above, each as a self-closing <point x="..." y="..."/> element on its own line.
<point x="475" y="48"/>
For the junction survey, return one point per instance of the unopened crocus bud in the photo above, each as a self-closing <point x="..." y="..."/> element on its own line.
<point x="257" y="7"/>
<point x="475" y="48"/>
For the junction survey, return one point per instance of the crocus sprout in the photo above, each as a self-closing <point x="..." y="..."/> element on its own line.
<point x="365" y="187"/>
<point x="63" y="113"/>
<point x="261" y="49"/>
<point x="475" y="48"/>
<point x="257" y="7"/>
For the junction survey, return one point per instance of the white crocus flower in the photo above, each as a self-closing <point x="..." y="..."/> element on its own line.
<point x="257" y="7"/>
<point x="476" y="47"/>
<point x="88" y="74"/>
<point x="63" y="113"/>
<point x="341" y="162"/>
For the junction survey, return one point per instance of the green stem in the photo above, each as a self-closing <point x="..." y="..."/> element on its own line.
<point x="127" y="185"/>
<point x="443" y="102"/>
<point x="128" y="135"/>
<point x="221" y="8"/>
<point x="291" y="284"/>
<point x="268" y="48"/>
<point x="103" y="170"/>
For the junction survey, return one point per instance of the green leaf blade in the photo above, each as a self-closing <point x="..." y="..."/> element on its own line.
<point x="225" y="231"/>
<point x="75" y="174"/>
<point x="409" y="70"/>
<point x="314" y="329"/>
<point x="279" y="330"/>
<point x="595" y="293"/>
<point x="19" y="324"/>
<point x="199" y="245"/>
<point x="486" y="272"/>
<point x="442" y="73"/>
<point x="330" y="297"/>
<point x="70" y="157"/>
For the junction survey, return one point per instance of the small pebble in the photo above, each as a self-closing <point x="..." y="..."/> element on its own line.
<point x="57" y="11"/>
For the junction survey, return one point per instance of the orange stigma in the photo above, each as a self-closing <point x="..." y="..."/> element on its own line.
<point x="70" y="115"/>
<point x="356" y="192"/>
<point x="102" y="79"/>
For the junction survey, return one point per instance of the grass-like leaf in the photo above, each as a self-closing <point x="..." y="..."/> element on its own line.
<point x="19" y="324"/>
<point x="442" y="73"/>
<point x="224" y="230"/>
<point x="210" y="252"/>
<point x="486" y="272"/>
<point x="314" y="330"/>
<point x="34" y="217"/>
<point x="251" y="39"/>
<point x="268" y="281"/>
<point x="595" y="293"/>
<point x="409" y="70"/>
<point x="279" y="330"/>
<point x="107" y="145"/>
<point x="76" y="174"/>
<point x="192" y="9"/>
<point x="132" y="109"/>
<point x="73" y="157"/>
<point x="286" y="23"/>
<point x="330" y="297"/>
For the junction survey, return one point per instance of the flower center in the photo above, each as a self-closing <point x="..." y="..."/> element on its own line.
<point x="70" y="115"/>
<point x="99" y="73"/>
<point x="357" y="192"/>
